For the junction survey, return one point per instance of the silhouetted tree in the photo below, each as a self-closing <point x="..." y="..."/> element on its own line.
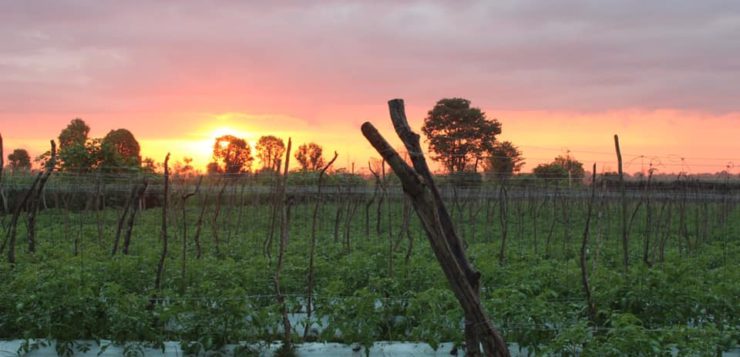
<point x="120" y="149"/>
<point x="505" y="159"/>
<point x="550" y="171"/>
<point x="310" y="157"/>
<point x="212" y="168"/>
<point x="270" y="150"/>
<point x="148" y="165"/>
<point x="19" y="160"/>
<point x="563" y="167"/>
<point x="232" y="155"/>
<point x="572" y="166"/>
<point x="83" y="157"/>
<point x="459" y="135"/>
<point x="74" y="134"/>
<point x="185" y="168"/>
<point x="75" y="152"/>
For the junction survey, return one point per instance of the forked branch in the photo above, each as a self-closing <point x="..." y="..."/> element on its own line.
<point x="417" y="182"/>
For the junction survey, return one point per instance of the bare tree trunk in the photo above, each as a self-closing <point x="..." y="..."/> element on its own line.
<point x="131" y="219"/>
<point x="284" y="232"/>
<point x="185" y="197"/>
<point x="372" y="199"/>
<point x="552" y="223"/>
<point x="475" y="208"/>
<point x="351" y="210"/>
<point x="267" y="245"/>
<point x="406" y="229"/>
<point x="216" y="213"/>
<point x="12" y="230"/>
<point x="480" y="335"/>
<point x="378" y="213"/>
<point x="683" y="227"/>
<point x="2" y="165"/>
<point x="163" y="230"/>
<point x="35" y="199"/>
<point x="667" y="231"/>
<point x="98" y="208"/>
<point x="625" y="234"/>
<point x="504" y="221"/>
<point x="584" y="246"/>
<point x="124" y="215"/>
<point x="565" y="210"/>
<point x="198" y="227"/>
<point x="648" y="222"/>
<point x="338" y="214"/>
<point x="312" y="250"/>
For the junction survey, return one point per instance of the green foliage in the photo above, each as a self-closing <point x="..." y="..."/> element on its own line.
<point x="74" y="134"/>
<point x="458" y="134"/>
<point x="95" y="155"/>
<point x="120" y="150"/>
<point x="563" y="168"/>
<point x="71" y="289"/>
<point x="434" y="317"/>
<point x="550" y="171"/>
<point x="504" y="160"/>
<point x="573" y="167"/>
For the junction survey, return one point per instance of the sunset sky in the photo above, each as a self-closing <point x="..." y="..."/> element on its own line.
<point x="566" y="75"/>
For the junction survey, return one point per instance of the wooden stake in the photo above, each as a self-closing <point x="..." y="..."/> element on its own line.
<point x="480" y="335"/>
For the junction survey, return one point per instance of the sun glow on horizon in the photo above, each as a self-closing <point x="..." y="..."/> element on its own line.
<point x="202" y="148"/>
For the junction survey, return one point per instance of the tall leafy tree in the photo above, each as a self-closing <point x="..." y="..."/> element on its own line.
<point x="459" y="135"/>
<point x="84" y="157"/>
<point x="120" y="149"/>
<point x="270" y="150"/>
<point x="75" y="152"/>
<point x="504" y="160"/>
<point x="75" y="133"/>
<point x="232" y="155"/>
<point x="19" y="160"/>
<point x="310" y="157"/>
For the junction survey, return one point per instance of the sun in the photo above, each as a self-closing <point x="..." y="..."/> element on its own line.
<point x="202" y="152"/>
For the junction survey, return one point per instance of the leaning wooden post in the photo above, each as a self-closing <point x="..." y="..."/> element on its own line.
<point x="35" y="198"/>
<point x="12" y="229"/>
<point x="184" y="198"/>
<point x="625" y="237"/>
<point x="480" y="335"/>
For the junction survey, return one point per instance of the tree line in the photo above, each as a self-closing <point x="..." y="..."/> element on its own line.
<point x="459" y="136"/>
<point x="232" y="155"/>
<point x="119" y="151"/>
<point x="463" y="139"/>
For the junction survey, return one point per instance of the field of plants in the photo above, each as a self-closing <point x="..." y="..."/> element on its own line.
<point x="224" y="263"/>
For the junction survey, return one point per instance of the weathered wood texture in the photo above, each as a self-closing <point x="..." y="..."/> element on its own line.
<point x="481" y="336"/>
